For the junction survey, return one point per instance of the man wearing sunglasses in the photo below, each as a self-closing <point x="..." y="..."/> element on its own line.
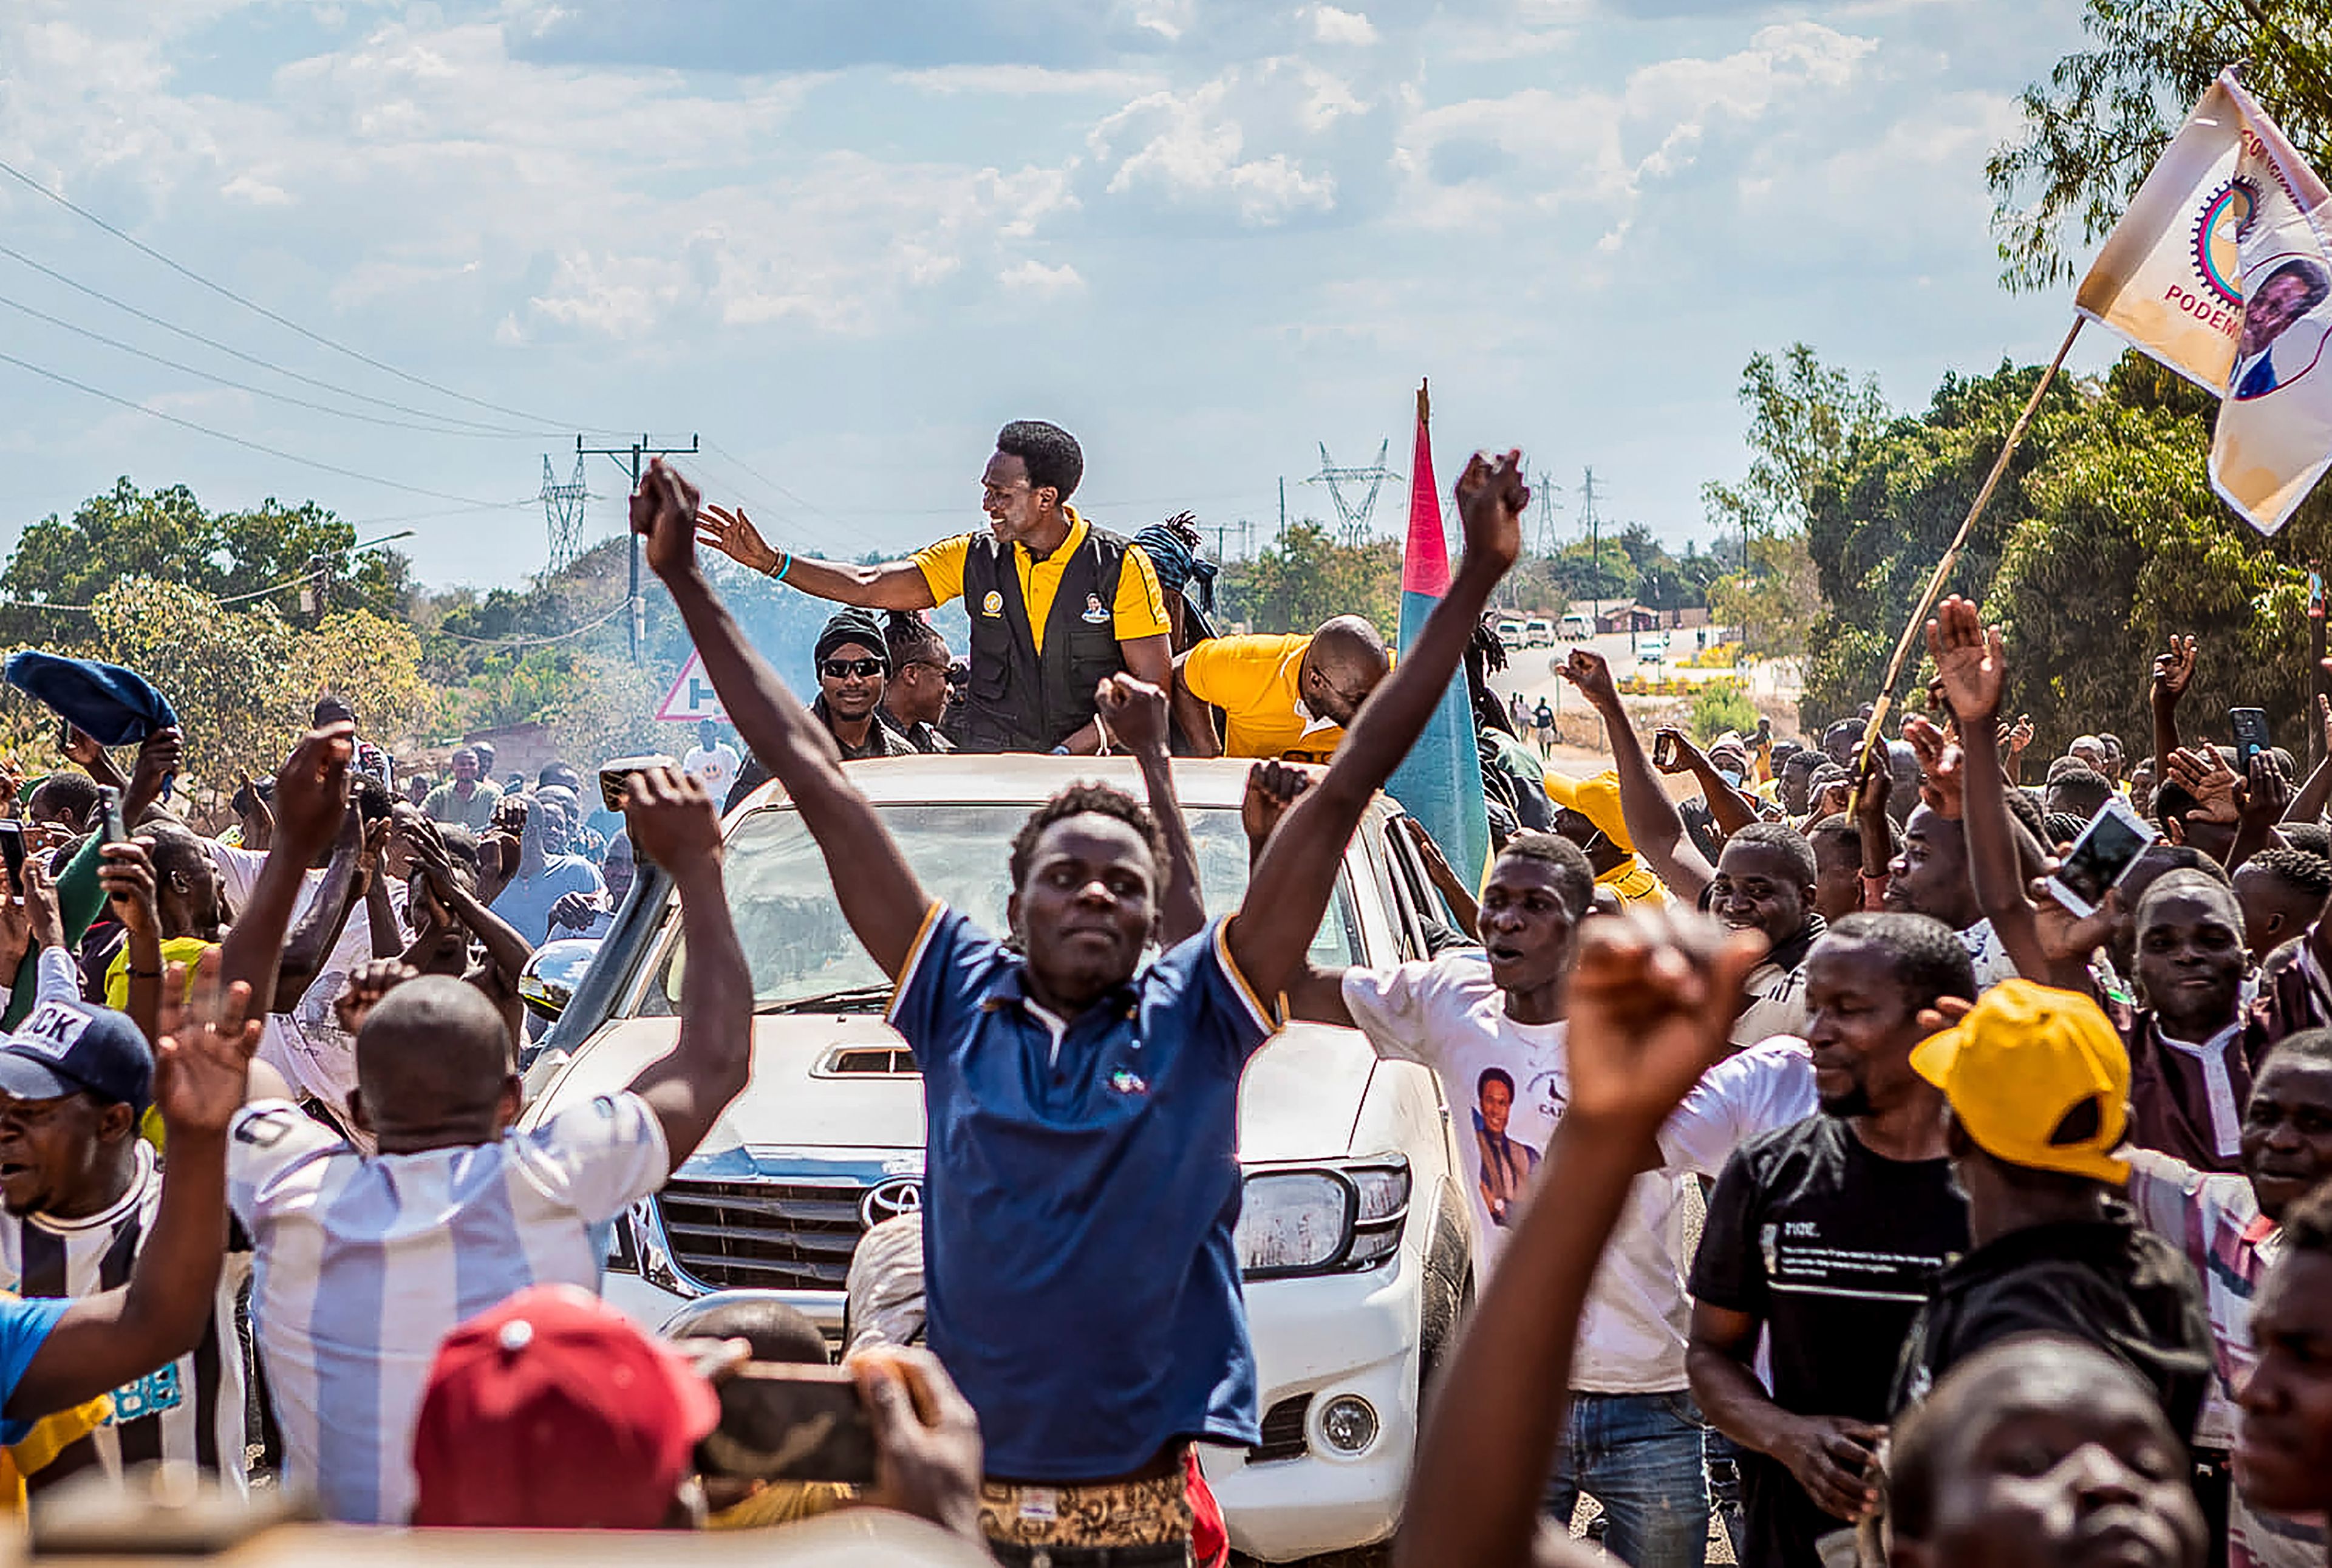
<point x="1057" y="605"/>
<point x="854" y="663"/>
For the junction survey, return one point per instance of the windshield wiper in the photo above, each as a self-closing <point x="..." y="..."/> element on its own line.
<point x="849" y="999"/>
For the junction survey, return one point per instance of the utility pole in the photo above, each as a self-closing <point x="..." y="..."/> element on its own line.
<point x="1594" y="541"/>
<point x="638" y="451"/>
<point x="1282" y="508"/>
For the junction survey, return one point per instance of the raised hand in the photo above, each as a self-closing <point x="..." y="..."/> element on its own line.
<point x="574" y="910"/>
<point x="127" y="875"/>
<point x="2205" y="776"/>
<point x="202" y="1065"/>
<point x="81" y="748"/>
<point x="160" y="755"/>
<point x="664" y="511"/>
<point x="311" y="790"/>
<point x="1271" y="788"/>
<point x="2268" y="792"/>
<point x="1491" y="500"/>
<point x="2173" y="671"/>
<point x="1943" y="768"/>
<point x="40" y="906"/>
<point x="2015" y="738"/>
<point x="1651" y="1005"/>
<point x="1970" y="662"/>
<point x="674" y="820"/>
<point x="2065" y="937"/>
<point x="1132" y="715"/>
<point x="1591" y="672"/>
<point x="367" y="984"/>
<point x="1676" y="746"/>
<point x="732" y="533"/>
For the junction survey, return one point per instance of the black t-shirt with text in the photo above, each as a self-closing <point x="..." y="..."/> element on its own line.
<point x="1834" y="1248"/>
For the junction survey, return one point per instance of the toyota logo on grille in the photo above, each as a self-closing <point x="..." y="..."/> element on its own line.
<point x="889" y="1199"/>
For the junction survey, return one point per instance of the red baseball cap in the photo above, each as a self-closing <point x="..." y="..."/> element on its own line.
<point x="555" y="1411"/>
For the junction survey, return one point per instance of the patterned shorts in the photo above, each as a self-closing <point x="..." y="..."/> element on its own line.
<point x="1153" y="1512"/>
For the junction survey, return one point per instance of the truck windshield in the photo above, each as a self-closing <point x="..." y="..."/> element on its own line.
<point x="802" y="951"/>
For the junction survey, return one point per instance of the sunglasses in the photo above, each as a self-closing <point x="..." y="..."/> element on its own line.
<point x="843" y="669"/>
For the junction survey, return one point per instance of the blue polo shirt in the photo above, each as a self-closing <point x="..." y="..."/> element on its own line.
<point x="1081" y="1185"/>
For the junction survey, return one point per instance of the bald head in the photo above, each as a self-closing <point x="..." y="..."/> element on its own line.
<point x="1341" y="666"/>
<point x="434" y="1066"/>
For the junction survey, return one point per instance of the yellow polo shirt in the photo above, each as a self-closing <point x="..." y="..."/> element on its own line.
<point x="1256" y="682"/>
<point x="1140" y="611"/>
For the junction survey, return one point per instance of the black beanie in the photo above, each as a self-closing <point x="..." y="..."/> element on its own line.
<point x="854" y="626"/>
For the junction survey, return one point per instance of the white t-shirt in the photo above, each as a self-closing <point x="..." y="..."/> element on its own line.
<point x="307" y="1045"/>
<point x="717" y="766"/>
<point x="1448" y="1016"/>
<point x="1770" y="1084"/>
<point x="365" y="1263"/>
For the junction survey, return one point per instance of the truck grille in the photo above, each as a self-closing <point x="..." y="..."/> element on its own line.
<point x="763" y="1235"/>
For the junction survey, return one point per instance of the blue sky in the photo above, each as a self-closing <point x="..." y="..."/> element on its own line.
<point x="846" y="239"/>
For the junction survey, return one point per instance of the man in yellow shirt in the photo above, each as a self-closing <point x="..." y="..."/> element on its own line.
<point x="1286" y="697"/>
<point x="1057" y="605"/>
<point x="1587" y="812"/>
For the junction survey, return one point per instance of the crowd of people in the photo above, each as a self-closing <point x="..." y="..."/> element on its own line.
<point x="1830" y="1174"/>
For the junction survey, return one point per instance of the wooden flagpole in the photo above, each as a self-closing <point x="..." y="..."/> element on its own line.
<point x="1917" y="624"/>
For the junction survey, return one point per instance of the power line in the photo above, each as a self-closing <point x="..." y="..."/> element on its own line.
<point x="285" y="321"/>
<point x="255" y="446"/>
<point x="192" y="336"/>
<point x="432" y="429"/>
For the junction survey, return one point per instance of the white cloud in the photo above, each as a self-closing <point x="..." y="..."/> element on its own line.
<point x="254" y="191"/>
<point x="1033" y="277"/>
<point x="1330" y="25"/>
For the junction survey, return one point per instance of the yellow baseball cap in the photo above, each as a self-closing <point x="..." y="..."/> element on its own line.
<point x="2019" y="1069"/>
<point x="1595" y="797"/>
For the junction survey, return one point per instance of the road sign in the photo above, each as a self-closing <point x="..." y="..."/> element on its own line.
<point x="691" y="696"/>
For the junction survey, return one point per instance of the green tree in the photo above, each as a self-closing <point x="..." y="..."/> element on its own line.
<point x="1306" y="576"/>
<point x="2103" y="540"/>
<point x="167" y="535"/>
<point x="1804" y="418"/>
<point x="2094" y="129"/>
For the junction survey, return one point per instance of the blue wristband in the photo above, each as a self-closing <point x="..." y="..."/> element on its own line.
<point x="784" y="565"/>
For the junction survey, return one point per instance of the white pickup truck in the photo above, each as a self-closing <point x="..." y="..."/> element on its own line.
<point x="1354" y="1242"/>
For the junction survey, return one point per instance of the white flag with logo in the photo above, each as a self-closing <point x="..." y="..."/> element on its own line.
<point x="2220" y="269"/>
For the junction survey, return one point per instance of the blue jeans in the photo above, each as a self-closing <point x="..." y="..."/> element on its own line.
<point x="1638" y="1454"/>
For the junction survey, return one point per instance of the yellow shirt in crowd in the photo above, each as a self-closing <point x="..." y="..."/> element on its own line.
<point x="1139" y="610"/>
<point x="1256" y="682"/>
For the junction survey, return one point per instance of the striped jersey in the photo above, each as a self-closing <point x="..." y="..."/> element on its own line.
<point x="365" y="1262"/>
<point x="190" y="1411"/>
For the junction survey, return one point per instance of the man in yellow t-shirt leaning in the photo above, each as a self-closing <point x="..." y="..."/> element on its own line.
<point x="1056" y="605"/>
<point x="1587" y="812"/>
<point x="1284" y="697"/>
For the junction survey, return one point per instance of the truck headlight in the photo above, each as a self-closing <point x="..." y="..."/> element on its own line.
<point x="1322" y="1219"/>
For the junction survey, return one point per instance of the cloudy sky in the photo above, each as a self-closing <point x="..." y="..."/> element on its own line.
<point x="845" y="239"/>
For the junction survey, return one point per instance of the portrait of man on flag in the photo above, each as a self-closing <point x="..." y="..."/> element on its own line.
<point x="2291" y="290"/>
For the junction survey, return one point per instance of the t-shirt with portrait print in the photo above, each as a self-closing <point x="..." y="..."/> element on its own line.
<point x="1506" y="1084"/>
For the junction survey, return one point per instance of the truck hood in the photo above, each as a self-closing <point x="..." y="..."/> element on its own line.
<point x="1299" y="1100"/>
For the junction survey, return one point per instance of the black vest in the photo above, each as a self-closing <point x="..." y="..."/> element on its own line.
<point x="1019" y="700"/>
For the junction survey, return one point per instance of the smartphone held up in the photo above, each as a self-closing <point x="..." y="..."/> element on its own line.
<point x="2108" y="847"/>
